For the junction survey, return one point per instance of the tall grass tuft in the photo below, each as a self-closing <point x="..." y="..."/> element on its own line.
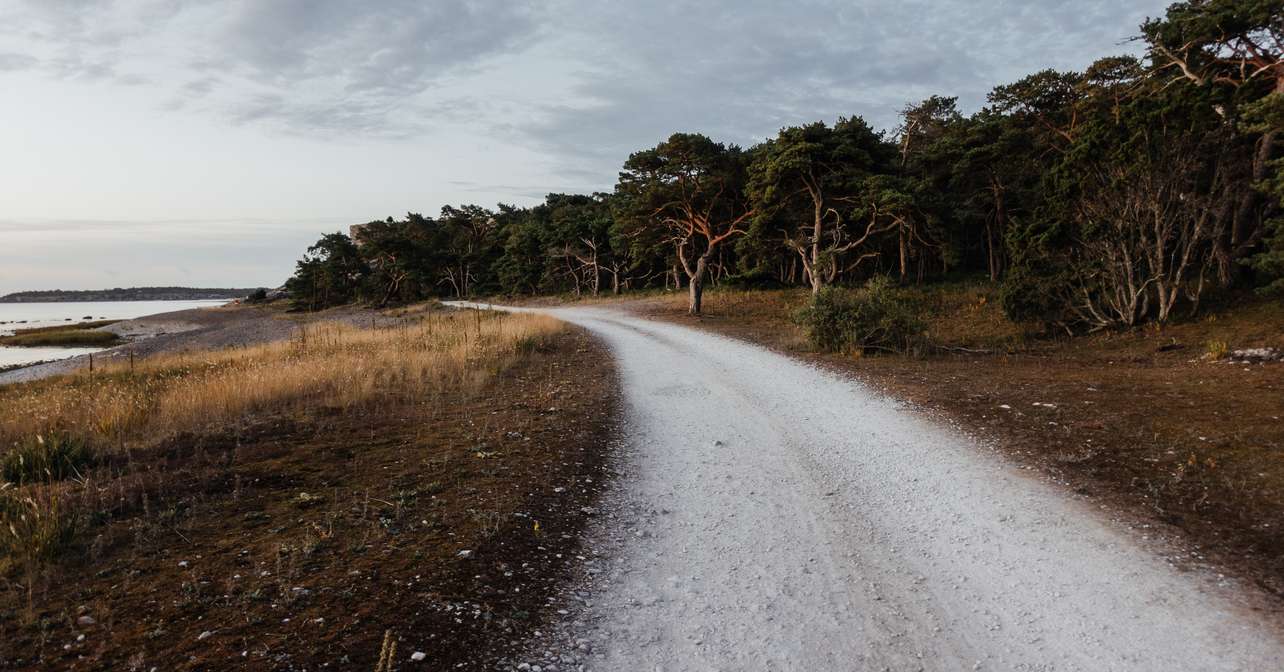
<point x="39" y="458"/>
<point x="36" y="525"/>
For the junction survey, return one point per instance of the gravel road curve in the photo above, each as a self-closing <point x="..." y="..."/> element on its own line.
<point x="774" y="516"/>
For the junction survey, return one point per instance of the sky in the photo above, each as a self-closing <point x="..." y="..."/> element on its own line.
<point x="208" y="142"/>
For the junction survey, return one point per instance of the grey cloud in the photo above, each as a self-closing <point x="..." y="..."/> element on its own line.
<point x="395" y="46"/>
<point x="336" y="119"/>
<point x="81" y="29"/>
<point x="735" y="69"/>
<point x="10" y="62"/>
<point x="739" y="71"/>
<point x="198" y="88"/>
<point x="353" y="64"/>
<point x="304" y="66"/>
<point x="76" y="67"/>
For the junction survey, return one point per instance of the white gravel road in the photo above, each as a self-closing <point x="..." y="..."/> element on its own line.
<point x="773" y="516"/>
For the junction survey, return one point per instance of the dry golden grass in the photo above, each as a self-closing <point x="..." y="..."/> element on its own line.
<point x="775" y="304"/>
<point x="329" y="364"/>
<point x="51" y="430"/>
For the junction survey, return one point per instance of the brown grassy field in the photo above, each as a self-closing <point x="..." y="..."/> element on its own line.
<point x="331" y="363"/>
<point x="287" y="504"/>
<point x="1155" y="421"/>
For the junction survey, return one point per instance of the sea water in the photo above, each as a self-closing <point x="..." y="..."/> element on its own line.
<point x="31" y="315"/>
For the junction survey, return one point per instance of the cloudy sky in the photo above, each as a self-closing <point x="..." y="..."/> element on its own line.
<point x="207" y="142"/>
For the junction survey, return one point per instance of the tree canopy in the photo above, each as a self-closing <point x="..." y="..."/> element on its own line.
<point x="1107" y="197"/>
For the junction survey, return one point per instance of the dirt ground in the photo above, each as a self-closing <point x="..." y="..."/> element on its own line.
<point x="1186" y="448"/>
<point x="298" y="542"/>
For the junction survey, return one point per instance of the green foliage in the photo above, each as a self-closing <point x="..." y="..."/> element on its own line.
<point x="1270" y="261"/>
<point x="1033" y="294"/>
<point x="1267" y="116"/>
<point x="686" y="193"/>
<point x="875" y="317"/>
<point x="808" y="183"/>
<point x="688" y="186"/>
<point x="328" y="275"/>
<point x="569" y="241"/>
<point x="46" y="458"/>
<point x="1225" y="42"/>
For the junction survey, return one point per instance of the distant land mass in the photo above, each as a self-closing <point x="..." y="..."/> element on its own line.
<point x="126" y="294"/>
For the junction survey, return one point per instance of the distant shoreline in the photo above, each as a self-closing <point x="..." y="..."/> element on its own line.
<point x="197" y="329"/>
<point x="127" y="294"/>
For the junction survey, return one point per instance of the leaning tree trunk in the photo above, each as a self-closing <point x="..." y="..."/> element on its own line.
<point x="697" y="285"/>
<point x="817" y="230"/>
<point x="904" y="254"/>
<point x="1000" y="223"/>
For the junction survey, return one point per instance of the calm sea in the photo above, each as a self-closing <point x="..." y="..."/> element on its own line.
<point x="28" y="315"/>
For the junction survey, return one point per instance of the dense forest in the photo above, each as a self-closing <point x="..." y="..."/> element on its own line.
<point x="1109" y="197"/>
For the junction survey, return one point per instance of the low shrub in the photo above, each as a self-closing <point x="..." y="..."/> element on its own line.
<point x="46" y="458"/>
<point x="1034" y="296"/>
<point x="875" y="317"/>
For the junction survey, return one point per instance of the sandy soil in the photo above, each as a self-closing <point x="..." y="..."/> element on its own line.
<point x="778" y="516"/>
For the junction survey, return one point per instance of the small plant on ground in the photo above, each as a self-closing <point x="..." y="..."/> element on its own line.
<point x="387" y="653"/>
<point x="875" y="317"/>
<point x="1216" y="349"/>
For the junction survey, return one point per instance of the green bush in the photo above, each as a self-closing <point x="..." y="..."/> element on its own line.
<point x="42" y="458"/>
<point x="1034" y="295"/>
<point x="875" y="317"/>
